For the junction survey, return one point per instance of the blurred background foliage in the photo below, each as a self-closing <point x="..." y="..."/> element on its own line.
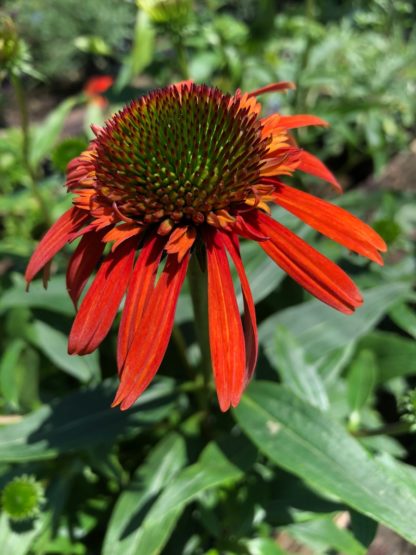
<point x="312" y="460"/>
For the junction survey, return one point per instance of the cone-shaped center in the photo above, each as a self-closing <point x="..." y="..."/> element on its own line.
<point x="179" y="154"/>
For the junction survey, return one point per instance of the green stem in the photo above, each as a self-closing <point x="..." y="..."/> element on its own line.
<point x="180" y="345"/>
<point x="396" y="429"/>
<point x="182" y="58"/>
<point x="198" y="284"/>
<point x="24" y="124"/>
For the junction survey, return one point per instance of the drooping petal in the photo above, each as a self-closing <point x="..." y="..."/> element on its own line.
<point x="313" y="271"/>
<point x="226" y="334"/>
<point x="57" y="236"/>
<point x="139" y="291"/>
<point x="301" y="120"/>
<point x="83" y="262"/>
<point x="249" y="317"/>
<point x="151" y="340"/>
<point x="99" y="306"/>
<point x="312" y="165"/>
<point x="332" y="221"/>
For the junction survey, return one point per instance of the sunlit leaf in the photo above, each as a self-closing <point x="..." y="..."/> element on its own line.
<point x="303" y="440"/>
<point x="54" y="345"/>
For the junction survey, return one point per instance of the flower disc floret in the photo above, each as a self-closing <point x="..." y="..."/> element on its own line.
<point x="179" y="154"/>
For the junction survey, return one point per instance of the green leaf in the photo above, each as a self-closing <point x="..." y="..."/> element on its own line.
<point x="141" y="53"/>
<point x="361" y="379"/>
<point x="81" y="420"/>
<point x="66" y="150"/>
<point x="332" y="364"/>
<point x="213" y="469"/>
<point x="160" y="467"/>
<point x="14" y="539"/>
<point x="264" y="546"/>
<point x="46" y="135"/>
<point x="54" y="345"/>
<point x="55" y="298"/>
<point x="363" y="528"/>
<point x="262" y="273"/>
<point x="395" y="355"/>
<point x="404" y="317"/>
<point x="302" y="378"/>
<point x="322" y="534"/>
<point x="304" y="441"/>
<point x="10" y="374"/>
<point x="320" y="329"/>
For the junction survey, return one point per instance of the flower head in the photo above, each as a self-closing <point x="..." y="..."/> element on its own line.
<point x="23" y="497"/>
<point x="95" y="87"/>
<point x="188" y="168"/>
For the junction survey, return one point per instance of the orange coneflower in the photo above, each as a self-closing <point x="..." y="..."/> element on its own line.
<point x="184" y="170"/>
<point x="95" y="87"/>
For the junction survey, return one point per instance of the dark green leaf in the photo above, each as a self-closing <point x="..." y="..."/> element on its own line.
<point x="362" y="377"/>
<point x="213" y="469"/>
<point x="10" y="375"/>
<point x="395" y="355"/>
<point x="82" y="420"/>
<point x="160" y="467"/>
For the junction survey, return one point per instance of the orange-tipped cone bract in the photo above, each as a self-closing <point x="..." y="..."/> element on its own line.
<point x="181" y="168"/>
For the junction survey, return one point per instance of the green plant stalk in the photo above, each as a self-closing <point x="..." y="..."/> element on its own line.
<point x="198" y="284"/>
<point x="24" y="124"/>
<point x="395" y="429"/>
<point x="182" y="59"/>
<point x="180" y="345"/>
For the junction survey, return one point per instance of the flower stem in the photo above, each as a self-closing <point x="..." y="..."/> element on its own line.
<point x="180" y="345"/>
<point x="182" y="59"/>
<point x="24" y="124"/>
<point x="199" y="294"/>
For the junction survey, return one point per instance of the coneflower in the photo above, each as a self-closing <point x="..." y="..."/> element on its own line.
<point x="183" y="170"/>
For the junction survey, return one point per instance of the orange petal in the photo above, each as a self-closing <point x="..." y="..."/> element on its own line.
<point x="313" y="271"/>
<point x="312" y="165"/>
<point x="180" y="241"/>
<point x="150" y="343"/>
<point x="99" y="306"/>
<point x="57" y="236"/>
<point x="244" y="229"/>
<point x="332" y="221"/>
<point x="83" y="262"/>
<point x="122" y="232"/>
<point x="139" y="291"/>
<point x="226" y="334"/>
<point x="301" y="120"/>
<point x="274" y="87"/>
<point x="249" y="318"/>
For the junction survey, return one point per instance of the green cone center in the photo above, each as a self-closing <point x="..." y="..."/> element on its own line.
<point x="179" y="154"/>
